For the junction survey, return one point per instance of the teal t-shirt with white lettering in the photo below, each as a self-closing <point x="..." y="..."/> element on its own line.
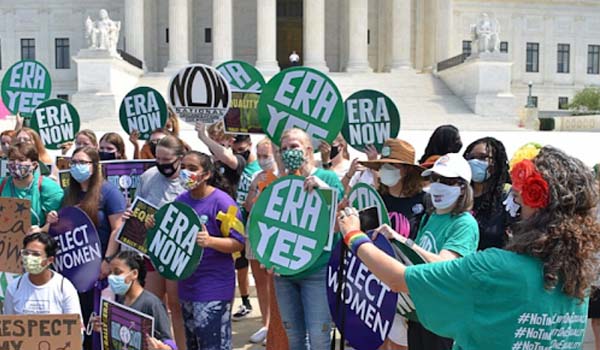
<point x="248" y="175"/>
<point x="495" y="300"/>
<point x="457" y="233"/>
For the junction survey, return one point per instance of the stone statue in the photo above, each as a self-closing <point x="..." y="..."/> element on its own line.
<point x="485" y="35"/>
<point x="102" y="34"/>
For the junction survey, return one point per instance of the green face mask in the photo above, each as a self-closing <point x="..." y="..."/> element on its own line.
<point x="292" y="159"/>
<point x="33" y="264"/>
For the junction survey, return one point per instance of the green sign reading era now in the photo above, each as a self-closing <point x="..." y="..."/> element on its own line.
<point x="57" y="122"/>
<point x="25" y="85"/>
<point x="143" y="109"/>
<point x="289" y="227"/>
<point x="301" y="98"/>
<point x="171" y="242"/>
<point x="371" y="118"/>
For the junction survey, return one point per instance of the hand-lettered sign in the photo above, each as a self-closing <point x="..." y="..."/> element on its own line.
<point x="371" y="118"/>
<point x="288" y="226"/>
<point x="199" y="93"/>
<point x="242" y="76"/>
<point x="303" y="98"/>
<point x="364" y="309"/>
<point x="124" y="327"/>
<point x="33" y="332"/>
<point x="57" y="122"/>
<point x="133" y="232"/>
<point x="15" y="222"/>
<point x="25" y="85"/>
<point x="143" y="109"/>
<point x="80" y="253"/>
<point x="171" y="242"/>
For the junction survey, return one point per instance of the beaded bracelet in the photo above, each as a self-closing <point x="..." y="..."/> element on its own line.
<point x="355" y="239"/>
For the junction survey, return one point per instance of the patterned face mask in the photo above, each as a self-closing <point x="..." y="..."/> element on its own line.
<point x="189" y="180"/>
<point x="20" y="171"/>
<point x="293" y="159"/>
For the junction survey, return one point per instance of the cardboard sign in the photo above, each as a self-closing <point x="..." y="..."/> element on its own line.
<point x="242" y="76"/>
<point x="171" y="242"/>
<point x="368" y="302"/>
<point x="371" y="118"/>
<point x="289" y="227"/>
<point x="25" y="85"/>
<point x="123" y="327"/>
<point x="15" y="222"/>
<point x="80" y="254"/>
<point x="242" y="117"/>
<point x="40" y="332"/>
<point x="303" y="98"/>
<point x="57" y="122"/>
<point x="143" y="109"/>
<point x="199" y="93"/>
<point x="5" y="279"/>
<point x="133" y="232"/>
<point x="363" y="196"/>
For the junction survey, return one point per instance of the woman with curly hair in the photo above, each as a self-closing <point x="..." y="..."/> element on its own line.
<point x="534" y="294"/>
<point x="489" y="167"/>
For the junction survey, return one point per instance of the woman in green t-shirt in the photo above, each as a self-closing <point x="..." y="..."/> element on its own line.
<point x="531" y="295"/>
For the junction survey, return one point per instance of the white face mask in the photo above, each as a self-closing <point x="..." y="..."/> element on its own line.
<point x="266" y="164"/>
<point x="443" y="196"/>
<point x="389" y="175"/>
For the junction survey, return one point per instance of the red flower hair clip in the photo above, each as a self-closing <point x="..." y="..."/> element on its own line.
<point x="528" y="181"/>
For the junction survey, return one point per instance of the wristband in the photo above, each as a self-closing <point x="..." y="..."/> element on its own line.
<point x="354" y="239"/>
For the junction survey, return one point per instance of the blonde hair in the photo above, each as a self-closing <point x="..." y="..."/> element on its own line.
<point x="264" y="142"/>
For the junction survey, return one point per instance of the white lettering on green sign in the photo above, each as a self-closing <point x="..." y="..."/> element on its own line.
<point x="26" y="75"/>
<point x="368" y="123"/>
<point x="364" y="198"/>
<point x="237" y="76"/>
<point x="143" y="112"/>
<point x="55" y="124"/>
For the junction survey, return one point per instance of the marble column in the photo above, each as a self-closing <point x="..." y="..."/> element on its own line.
<point x="222" y="31"/>
<point x="314" y="35"/>
<point x="444" y="30"/>
<point x="134" y="28"/>
<point x="401" y="34"/>
<point x="266" y="37"/>
<point x="178" y="34"/>
<point x="358" y="26"/>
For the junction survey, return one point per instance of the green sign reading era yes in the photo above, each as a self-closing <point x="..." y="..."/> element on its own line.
<point x="242" y="76"/>
<point x="303" y="98"/>
<point x="289" y="227"/>
<point x="57" y="122"/>
<point x="143" y="109"/>
<point x="25" y="85"/>
<point x="371" y="118"/>
<point x="171" y="242"/>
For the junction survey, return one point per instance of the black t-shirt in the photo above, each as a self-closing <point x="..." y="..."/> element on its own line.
<point x="232" y="176"/>
<point x="405" y="211"/>
<point x="492" y="226"/>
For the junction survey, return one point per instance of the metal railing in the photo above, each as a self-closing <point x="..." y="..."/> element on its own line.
<point x="452" y="62"/>
<point x="131" y="59"/>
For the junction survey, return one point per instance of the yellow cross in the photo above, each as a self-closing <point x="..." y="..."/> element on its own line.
<point x="230" y="221"/>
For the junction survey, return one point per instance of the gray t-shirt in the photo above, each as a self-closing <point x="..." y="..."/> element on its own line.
<point x="147" y="303"/>
<point x="157" y="189"/>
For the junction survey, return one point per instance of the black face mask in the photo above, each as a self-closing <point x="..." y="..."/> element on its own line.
<point x="245" y="154"/>
<point x="107" y="155"/>
<point x="167" y="170"/>
<point x="334" y="152"/>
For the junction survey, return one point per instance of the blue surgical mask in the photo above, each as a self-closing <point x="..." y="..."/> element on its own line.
<point x="479" y="170"/>
<point x="80" y="172"/>
<point x="118" y="285"/>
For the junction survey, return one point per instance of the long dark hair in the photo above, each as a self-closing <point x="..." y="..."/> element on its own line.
<point x="134" y="261"/>
<point x="91" y="200"/>
<point x="445" y="139"/>
<point x="493" y="192"/>
<point x="207" y="163"/>
<point x="564" y="235"/>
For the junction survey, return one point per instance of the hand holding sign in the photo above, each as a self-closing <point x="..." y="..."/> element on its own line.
<point x="203" y="238"/>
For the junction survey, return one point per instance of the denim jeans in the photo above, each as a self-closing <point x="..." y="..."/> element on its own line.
<point x="305" y="311"/>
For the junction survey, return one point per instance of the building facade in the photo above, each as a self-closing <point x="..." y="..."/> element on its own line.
<point x="554" y="44"/>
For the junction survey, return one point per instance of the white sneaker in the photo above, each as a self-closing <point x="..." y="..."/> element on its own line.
<point x="259" y="336"/>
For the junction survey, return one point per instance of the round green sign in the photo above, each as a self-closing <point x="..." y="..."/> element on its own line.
<point x="171" y="242"/>
<point x="289" y="227"/>
<point x="371" y="118"/>
<point x="57" y="122"/>
<point x="143" y="109"/>
<point x="301" y="98"/>
<point x="242" y="76"/>
<point x="25" y="85"/>
<point x="363" y="196"/>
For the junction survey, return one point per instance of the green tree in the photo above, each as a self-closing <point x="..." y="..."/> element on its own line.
<point x="587" y="99"/>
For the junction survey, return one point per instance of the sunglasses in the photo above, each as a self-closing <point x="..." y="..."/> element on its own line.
<point x="450" y="181"/>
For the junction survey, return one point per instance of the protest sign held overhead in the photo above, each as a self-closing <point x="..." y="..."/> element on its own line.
<point x="242" y="117"/>
<point x="15" y="222"/>
<point x="364" y="307"/>
<point x="124" y="327"/>
<point x="371" y="118"/>
<point x="143" y="109"/>
<point x="57" y="122"/>
<point x="242" y="76"/>
<point x="40" y="332"/>
<point x="288" y="226"/>
<point x="199" y="93"/>
<point x="301" y="98"/>
<point x="363" y="196"/>
<point x="25" y="85"/>
<point x="133" y="232"/>
<point x="171" y="242"/>
<point x="80" y="252"/>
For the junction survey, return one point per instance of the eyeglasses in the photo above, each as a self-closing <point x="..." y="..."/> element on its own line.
<point x="78" y="162"/>
<point x="450" y="181"/>
<point x="27" y="252"/>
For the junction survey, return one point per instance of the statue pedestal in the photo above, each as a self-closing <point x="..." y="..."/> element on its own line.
<point x="483" y="81"/>
<point x="103" y="79"/>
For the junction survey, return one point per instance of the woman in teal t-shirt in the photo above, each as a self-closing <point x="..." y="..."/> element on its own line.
<point x="532" y="295"/>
